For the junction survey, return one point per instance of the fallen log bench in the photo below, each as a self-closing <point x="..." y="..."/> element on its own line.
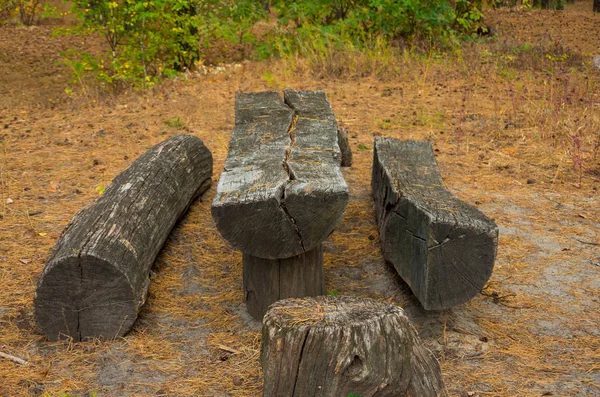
<point x="97" y="277"/>
<point x="442" y="247"/>
<point x="281" y="193"/>
<point x="340" y="346"/>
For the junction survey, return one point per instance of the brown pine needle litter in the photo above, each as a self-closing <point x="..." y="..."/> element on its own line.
<point x="503" y="121"/>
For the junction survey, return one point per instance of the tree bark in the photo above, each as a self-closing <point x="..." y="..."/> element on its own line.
<point x="282" y="192"/>
<point x="596" y="6"/>
<point x="441" y="246"/>
<point x="97" y="277"/>
<point x="344" y="147"/>
<point x="336" y="346"/>
<point x="553" y="4"/>
<point x="268" y="280"/>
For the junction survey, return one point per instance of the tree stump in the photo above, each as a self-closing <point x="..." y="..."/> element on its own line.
<point x="344" y="147"/>
<point x="336" y="346"/>
<point x="281" y="193"/>
<point x="441" y="246"/>
<point x="97" y="277"/>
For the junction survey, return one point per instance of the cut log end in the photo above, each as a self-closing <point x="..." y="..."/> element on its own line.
<point x="328" y="311"/>
<point x="282" y="192"/>
<point x="97" y="276"/>
<point x="84" y="297"/>
<point x="441" y="246"/>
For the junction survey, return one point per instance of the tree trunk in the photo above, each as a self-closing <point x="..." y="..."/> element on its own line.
<point x="344" y="147"/>
<point x="337" y="346"/>
<point x="97" y="276"/>
<point x="268" y="280"/>
<point x="596" y="5"/>
<point x="441" y="246"/>
<point x="282" y="192"/>
<point x="553" y="4"/>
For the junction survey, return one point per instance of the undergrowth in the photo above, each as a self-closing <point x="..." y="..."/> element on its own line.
<point x="149" y="40"/>
<point x="551" y="102"/>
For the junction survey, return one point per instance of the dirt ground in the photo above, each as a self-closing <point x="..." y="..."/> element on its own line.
<point x="515" y="124"/>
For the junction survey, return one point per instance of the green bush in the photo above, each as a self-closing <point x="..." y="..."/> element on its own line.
<point x="153" y="39"/>
<point x="361" y="24"/>
<point x="28" y="10"/>
<point x="6" y="10"/>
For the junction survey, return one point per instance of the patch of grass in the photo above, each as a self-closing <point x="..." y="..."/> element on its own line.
<point x="175" y="122"/>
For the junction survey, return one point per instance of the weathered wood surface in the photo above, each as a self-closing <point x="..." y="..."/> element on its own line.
<point x="344" y="147"/>
<point x="336" y="346"/>
<point x="441" y="246"/>
<point x="281" y="192"/>
<point x="97" y="276"/>
<point x="268" y="280"/>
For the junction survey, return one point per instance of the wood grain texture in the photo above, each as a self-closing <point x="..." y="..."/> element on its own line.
<point x="268" y="280"/>
<point x="441" y="246"/>
<point x="336" y="346"/>
<point x="281" y="192"/>
<point x="97" y="276"/>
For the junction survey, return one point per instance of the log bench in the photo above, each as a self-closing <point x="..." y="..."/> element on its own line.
<point x="97" y="277"/>
<point x="281" y="193"/>
<point x="332" y="346"/>
<point x="442" y="247"/>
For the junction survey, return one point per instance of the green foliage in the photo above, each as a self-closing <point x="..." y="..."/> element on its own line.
<point x="175" y="123"/>
<point x="28" y="10"/>
<point x="148" y="40"/>
<point x="469" y="16"/>
<point x="363" y="22"/>
<point x="7" y="9"/>
<point x="333" y="293"/>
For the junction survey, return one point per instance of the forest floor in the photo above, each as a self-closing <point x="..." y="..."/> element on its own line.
<point x="515" y="124"/>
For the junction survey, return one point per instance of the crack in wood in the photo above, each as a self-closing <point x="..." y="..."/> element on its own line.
<point x="300" y="361"/>
<point x="288" y="152"/>
<point x="291" y="177"/>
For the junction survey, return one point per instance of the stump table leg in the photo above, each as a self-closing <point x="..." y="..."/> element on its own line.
<point x="268" y="280"/>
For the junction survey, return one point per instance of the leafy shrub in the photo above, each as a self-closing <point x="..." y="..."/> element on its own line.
<point x="364" y="20"/>
<point x="6" y="10"/>
<point x="151" y="39"/>
<point x="28" y="10"/>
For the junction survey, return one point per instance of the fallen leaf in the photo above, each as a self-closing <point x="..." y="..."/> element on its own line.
<point x="24" y="261"/>
<point x="9" y="201"/>
<point x="42" y="234"/>
<point x="54" y="186"/>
